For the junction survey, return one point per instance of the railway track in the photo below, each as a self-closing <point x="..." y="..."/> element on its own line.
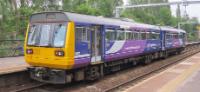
<point x="116" y="81"/>
<point x="133" y="81"/>
<point x="32" y="86"/>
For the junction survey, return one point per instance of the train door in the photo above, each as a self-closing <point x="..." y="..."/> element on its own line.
<point x="184" y="39"/>
<point x="96" y="44"/>
<point x="163" y="39"/>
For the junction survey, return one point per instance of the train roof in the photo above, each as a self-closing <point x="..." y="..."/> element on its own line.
<point x="68" y="16"/>
<point x="106" y="21"/>
<point x="171" y="29"/>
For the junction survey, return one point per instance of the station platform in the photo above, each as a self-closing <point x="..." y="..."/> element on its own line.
<point x="12" y="64"/>
<point x="182" y="77"/>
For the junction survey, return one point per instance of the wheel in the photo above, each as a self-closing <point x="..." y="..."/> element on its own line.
<point x="166" y="55"/>
<point x="93" y="73"/>
<point x="148" y="59"/>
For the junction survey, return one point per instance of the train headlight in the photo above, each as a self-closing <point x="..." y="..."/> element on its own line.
<point x="59" y="53"/>
<point x="29" y="51"/>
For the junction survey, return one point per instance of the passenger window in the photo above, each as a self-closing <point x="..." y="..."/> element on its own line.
<point x="143" y="35"/>
<point x="173" y="36"/>
<point x="139" y="36"/>
<point x="129" y="35"/>
<point x="88" y="31"/>
<point x="169" y="36"/>
<point x="135" y="35"/>
<point x="120" y="35"/>
<point x="82" y="34"/>
<point x="148" y="35"/>
<point x="110" y="34"/>
<point x="176" y="36"/>
<point x="155" y="35"/>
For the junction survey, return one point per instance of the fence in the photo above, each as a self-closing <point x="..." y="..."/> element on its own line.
<point x="11" y="48"/>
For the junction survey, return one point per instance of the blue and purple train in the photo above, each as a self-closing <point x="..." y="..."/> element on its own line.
<point x="62" y="47"/>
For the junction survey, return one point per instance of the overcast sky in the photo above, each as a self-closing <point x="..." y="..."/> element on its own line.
<point x="193" y="10"/>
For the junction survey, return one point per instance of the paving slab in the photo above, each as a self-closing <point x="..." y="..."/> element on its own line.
<point x="12" y="64"/>
<point x="182" y="77"/>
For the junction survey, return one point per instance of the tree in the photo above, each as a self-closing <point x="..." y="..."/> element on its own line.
<point x="92" y="7"/>
<point x="151" y="15"/>
<point x="16" y="14"/>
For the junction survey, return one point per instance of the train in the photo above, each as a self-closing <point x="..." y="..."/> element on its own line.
<point x="64" y="47"/>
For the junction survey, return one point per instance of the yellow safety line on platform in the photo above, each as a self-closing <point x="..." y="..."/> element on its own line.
<point x="172" y="85"/>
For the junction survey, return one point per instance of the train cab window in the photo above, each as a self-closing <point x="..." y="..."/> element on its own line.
<point x="120" y="35"/>
<point x="45" y="35"/>
<point x="110" y="34"/>
<point x="33" y="34"/>
<point x="82" y="34"/>
<point x="181" y="35"/>
<point x="59" y="35"/>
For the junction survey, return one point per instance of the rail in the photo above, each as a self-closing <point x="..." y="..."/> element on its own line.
<point x="23" y="83"/>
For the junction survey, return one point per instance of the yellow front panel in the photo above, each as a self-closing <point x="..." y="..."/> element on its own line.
<point x="45" y="56"/>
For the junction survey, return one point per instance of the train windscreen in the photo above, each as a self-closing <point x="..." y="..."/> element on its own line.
<point x="47" y="35"/>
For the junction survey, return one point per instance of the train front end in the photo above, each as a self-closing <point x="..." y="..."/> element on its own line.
<point x="49" y="47"/>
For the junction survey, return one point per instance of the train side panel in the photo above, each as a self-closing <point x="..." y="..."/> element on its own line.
<point x="123" y="49"/>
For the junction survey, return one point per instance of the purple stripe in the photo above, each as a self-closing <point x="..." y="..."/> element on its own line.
<point x="121" y="55"/>
<point x="81" y="62"/>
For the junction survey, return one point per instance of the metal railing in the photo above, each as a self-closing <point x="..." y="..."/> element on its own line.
<point x="11" y="48"/>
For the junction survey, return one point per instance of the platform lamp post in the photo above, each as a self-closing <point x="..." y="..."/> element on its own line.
<point x="184" y="2"/>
